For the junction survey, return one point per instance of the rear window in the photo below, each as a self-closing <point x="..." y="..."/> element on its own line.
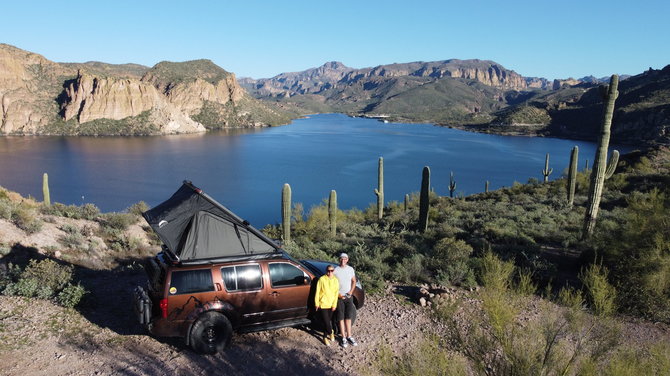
<point x="191" y="281"/>
<point x="242" y="277"/>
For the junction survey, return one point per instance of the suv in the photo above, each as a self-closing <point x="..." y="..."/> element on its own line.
<point x="216" y="274"/>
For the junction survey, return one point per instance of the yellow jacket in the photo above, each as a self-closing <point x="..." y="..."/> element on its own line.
<point x="327" y="292"/>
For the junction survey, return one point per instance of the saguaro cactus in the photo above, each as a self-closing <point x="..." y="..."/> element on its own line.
<point x="572" y="175"/>
<point x="332" y="212"/>
<point x="598" y="174"/>
<point x="547" y="171"/>
<point x="286" y="212"/>
<point x="380" y="189"/>
<point x="452" y="184"/>
<point x="45" y="189"/>
<point x="424" y="200"/>
<point x="486" y="187"/>
<point x="406" y="202"/>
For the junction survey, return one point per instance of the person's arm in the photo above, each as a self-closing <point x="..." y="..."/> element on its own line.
<point x="336" y="293"/>
<point x="317" y="294"/>
<point x="353" y="285"/>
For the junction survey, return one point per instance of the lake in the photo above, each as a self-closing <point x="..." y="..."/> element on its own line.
<point x="245" y="169"/>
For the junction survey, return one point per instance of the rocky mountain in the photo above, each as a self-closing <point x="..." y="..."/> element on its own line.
<point x="448" y="91"/>
<point x="43" y="97"/>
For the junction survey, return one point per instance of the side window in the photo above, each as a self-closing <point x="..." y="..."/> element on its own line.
<point x="284" y="274"/>
<point x="191" y="281"/>
<point x="242" y="277"/>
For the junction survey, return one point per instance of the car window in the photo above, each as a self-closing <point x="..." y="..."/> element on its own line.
<point x="284" y="274"/>
<point x="242" y="277"/>
<point x="191" y="281"/>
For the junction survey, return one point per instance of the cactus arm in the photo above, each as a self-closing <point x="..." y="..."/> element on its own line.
<point x="611" y="165"/>
<point x="380" y="189"/>
<point x="547" y="171"/>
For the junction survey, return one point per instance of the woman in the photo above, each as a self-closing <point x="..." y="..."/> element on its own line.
<point x="325" y="300"/>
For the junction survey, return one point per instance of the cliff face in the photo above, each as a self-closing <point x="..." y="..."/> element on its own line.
<point x="38" y="96"/>
<point x="28" y="84"/>
<point x="90" y="98"/>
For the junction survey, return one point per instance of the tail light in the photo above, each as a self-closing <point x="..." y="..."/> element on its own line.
<point x="164" y="305"/>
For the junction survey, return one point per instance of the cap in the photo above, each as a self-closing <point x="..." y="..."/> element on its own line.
<point x="344" y="255"/>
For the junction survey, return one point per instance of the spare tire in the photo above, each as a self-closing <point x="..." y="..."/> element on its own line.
<point x="211" y="333"/>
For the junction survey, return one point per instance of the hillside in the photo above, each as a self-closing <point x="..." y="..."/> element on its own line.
<point x="502" y="272"/>
<point x="477" y="95"/>
<point x="93" y="98"/>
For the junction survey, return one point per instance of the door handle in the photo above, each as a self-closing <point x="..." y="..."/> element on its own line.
<point x="274" y="293"/>
<point x="218" y="286"/>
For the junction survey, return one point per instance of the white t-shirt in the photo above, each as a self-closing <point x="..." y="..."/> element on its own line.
<point x="344" y="276"/>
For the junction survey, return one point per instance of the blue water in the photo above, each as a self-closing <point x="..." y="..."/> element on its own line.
<point x="246" y="169"/>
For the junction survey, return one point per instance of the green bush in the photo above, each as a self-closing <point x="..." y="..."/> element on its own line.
<point x="44" y="279"/>
<point x="601" y="294"/>
<point x="118" y="221"/>
<point x="429" y="358"/>
<point x="138" y="208"/>
<point x="70" y="296"/>
<point x="26" y="219"/>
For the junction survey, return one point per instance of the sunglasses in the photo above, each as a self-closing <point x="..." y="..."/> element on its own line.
<point x="330" y="270"/>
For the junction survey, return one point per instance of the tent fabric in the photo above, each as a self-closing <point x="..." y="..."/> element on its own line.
<point x="192" y="226"/>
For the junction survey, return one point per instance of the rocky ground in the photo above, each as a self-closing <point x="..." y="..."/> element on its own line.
<point x="40" y="338"/>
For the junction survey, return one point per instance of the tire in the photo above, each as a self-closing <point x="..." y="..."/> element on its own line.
<point x="211" y="333"/>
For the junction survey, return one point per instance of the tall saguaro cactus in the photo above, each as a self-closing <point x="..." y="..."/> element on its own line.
<point x="452" y="184"/>
<point x="424" y="199"/>
<point x="380" y="189"/>
<point x="332" y="212"/>
<point x="572" y="175"/>
<point x="45" y="189"/>
<point x="598" y="174"/>
<point x="406" y="202"/>
<point x="286" y="212"/>
<point x="547" y="171"/>
<point x="486" y="187"/>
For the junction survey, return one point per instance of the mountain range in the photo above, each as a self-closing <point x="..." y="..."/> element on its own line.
<point x="39" y="96"/>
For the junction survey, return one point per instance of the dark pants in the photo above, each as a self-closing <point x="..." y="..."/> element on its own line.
<point x="327" y="316"/>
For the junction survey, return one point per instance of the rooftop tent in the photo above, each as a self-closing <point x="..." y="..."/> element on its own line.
<point x="193" y="226"/>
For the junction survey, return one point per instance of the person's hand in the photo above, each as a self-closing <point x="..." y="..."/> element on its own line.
<point x="317" y="308"/>
<point x="333" y="309"/>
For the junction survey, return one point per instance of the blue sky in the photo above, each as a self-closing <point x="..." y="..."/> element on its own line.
<point x="551" y="39"/>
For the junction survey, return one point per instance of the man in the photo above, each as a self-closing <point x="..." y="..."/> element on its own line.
<point x="345" y="304"/>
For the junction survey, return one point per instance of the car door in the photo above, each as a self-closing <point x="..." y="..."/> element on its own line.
<point x="245" y="292"/>
<point x="289" y="288"/>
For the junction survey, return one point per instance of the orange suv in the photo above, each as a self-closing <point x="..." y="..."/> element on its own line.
<point x="217" y="274"/>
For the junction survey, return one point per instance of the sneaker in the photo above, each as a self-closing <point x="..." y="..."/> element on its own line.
<point x="352" y="341"/>
<point x="332" y="337"/>
<point x="344" y="342"/>
<point x="326" y="341"/>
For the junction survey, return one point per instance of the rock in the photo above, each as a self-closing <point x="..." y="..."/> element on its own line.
<point x="422" y="301"/>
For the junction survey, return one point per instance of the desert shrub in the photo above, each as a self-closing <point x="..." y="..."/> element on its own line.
<point x="429" y="358"/>
<point x="410" y="270"/>
<point x="600" y="292"/>
<point x="26" y="219"/>
<point x="494" y="273"/>
<point x="637" y="251"/>
<point x="86" y="211"/>
<point x="89" y="211"/>
<point x="118" y="221"/>
<point x="371" y="264"/>
<point x="72" y="239"/>
<point x="6" y="209"/>
<point x="654" y="360"/>
<point x="138" y="208"/>
<point x="71" y="295"/>
<point x="45" y="279"/>
<point x="571" y="297"/>
<point x="524" y="283"/>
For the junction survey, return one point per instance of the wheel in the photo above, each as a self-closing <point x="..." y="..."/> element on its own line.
<point x="211" y="333"/>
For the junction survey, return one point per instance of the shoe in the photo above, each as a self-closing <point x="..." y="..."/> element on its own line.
<point x="352" y="341"/>
<point x="326" y="341"/>
<point x="332" y="337"/>
<point x="344" y="342"/>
